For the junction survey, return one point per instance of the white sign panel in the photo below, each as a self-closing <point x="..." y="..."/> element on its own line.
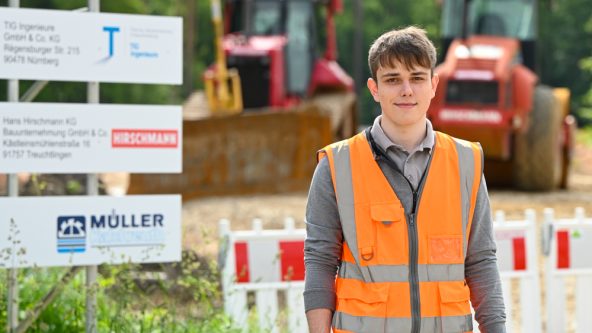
<point x="78" y="231"/>
<point x="76" y="46"/>
<point x="90" y="138"/>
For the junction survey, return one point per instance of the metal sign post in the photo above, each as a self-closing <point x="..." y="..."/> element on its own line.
<point x="92" y="188"/>
<point x="13" y="299"/>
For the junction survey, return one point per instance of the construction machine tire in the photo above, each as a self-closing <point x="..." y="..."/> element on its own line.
<point x="537" y="153"/>
<point x="341" y="107"/>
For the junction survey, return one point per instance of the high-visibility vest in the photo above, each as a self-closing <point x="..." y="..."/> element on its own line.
<point x="404" y="272"/>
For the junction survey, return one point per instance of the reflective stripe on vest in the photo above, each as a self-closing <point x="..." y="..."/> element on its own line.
<point x="373" y="280"/>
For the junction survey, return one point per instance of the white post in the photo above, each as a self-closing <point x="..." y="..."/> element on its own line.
<point x="92" y="187"/>
<point x="555" y="289"/>
<point x="289" y="223"/>
<point x="530" y="288"/>
<point x="235" y="301"/>
<point x="13" y="294"/>
<point x="507" y="292"/>
<point x="500" y="219"/>
<point x="584" y="289"/>
<point x="500" y="216"/>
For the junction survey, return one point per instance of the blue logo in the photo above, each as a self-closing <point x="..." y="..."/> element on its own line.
<point x="71" y="234"/>
<point x="111" y="31"/>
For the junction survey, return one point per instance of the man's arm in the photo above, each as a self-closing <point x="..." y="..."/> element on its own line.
<point x="322" y="250"/>
<point x="481" y="270"/>
<point x="319" y="320"/>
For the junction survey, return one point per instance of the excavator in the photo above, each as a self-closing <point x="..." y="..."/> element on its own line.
<point x="271" y="101"/>
<point x="489" y="92"/>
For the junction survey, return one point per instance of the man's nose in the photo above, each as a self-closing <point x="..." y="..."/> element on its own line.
<point x="406" y="89"/>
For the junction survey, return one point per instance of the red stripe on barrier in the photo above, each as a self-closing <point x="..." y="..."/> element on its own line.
<point x="292" y="260"/>
<point x="241" y="252"/>
<point x="519" y="248"/>
<point x="563" y="249"/>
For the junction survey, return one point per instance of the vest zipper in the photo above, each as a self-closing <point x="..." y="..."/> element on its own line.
<point x="413" y="274"/>
<point x="411" y="232"/>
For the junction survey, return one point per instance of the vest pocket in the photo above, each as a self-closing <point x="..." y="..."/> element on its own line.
<point x="445" y="249"/>
<point x="390" y="232"/>
<point x="386" y="213"/>
<point x="362" y="300"/>
<point x="454" y="305"/>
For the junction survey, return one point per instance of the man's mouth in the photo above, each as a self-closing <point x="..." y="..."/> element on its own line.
<point x="405" y="105"/>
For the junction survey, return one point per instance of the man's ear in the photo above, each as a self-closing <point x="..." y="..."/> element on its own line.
<point x="373" y="87"/>
<point x="435" y="80"/>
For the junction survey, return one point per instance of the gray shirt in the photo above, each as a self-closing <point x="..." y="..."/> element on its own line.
<point x="323" y="244"/>
<point x="411" y="164"/>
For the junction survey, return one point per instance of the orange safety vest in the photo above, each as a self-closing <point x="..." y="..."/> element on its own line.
<point x="404" y="272"/>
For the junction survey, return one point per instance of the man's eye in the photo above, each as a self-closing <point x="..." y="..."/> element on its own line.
<point x="392" y="80"/>
<point x="417" y="78"/>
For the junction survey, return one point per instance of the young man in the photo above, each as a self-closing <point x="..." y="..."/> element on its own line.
<point x="399" y="229"/>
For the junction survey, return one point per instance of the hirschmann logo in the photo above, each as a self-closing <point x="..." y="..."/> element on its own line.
<point x="71" y="234"/>
<point x="144" y="138"/>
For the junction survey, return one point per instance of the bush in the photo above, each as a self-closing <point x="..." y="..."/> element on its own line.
<point x="188" y="299"/>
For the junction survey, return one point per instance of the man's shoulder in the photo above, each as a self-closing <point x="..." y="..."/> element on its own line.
<point x="345" y="142"/>
<point x="459" y="141"/>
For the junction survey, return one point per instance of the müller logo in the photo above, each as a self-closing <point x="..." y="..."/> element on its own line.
<point x="71" y="234"/>
<point x="144" y="138"/>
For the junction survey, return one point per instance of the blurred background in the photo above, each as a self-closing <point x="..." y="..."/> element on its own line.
<point x="258" y="163"/>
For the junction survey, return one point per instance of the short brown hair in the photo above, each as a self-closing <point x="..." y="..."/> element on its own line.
<point x="409" y="46"/>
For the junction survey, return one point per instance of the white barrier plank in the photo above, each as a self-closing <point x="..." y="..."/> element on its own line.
<point x="235" y="305"/>
<point x="264" y="263"/>
<point x="530" y="305"/>
<point x="267" y="310"/>
<point x="507" y="292"/>
<point x="555" y="304"/>
<point x="584" y="303"/>
<point x="296" y="316"/>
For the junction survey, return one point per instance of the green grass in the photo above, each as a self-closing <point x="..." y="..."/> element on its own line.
<point x="584" y="136"/>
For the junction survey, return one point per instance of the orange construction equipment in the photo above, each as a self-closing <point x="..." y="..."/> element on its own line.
<point x="490" y="93"/>
<point x="293" y="103"/>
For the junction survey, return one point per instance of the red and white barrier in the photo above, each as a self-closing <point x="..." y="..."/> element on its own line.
<point x="567" y="245"/>
<point x="264" y="262"/>
<point x="517" y="255"/>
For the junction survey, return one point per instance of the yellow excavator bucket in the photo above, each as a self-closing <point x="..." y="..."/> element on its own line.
<point x="223" y="88"/>
<point x="224" y="94"/>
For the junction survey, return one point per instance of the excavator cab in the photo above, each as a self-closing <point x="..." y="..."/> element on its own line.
<point x="505" y="18"/>
<point x="264" y="21"/>
<point x="273" y="46"/>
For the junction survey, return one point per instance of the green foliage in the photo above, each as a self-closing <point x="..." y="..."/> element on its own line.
<point x="584" y="136"/>
<point x="189" y="300"/>
<point x="565" y="44"/>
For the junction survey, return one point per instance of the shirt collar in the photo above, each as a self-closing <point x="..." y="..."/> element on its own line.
<point x="385" y="143"/>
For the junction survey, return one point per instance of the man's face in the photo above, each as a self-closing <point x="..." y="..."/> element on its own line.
<point x="404" y="94"/>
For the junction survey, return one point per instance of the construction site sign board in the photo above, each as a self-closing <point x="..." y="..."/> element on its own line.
<point x="90" y="138"/>
<point x="89" y="230"/>
<point x="77" y="46"/>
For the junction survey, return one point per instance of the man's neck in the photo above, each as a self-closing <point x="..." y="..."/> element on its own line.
<point x="408" y="137"/>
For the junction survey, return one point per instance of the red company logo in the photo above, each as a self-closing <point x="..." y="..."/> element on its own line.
<point x="144" y="138"/>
